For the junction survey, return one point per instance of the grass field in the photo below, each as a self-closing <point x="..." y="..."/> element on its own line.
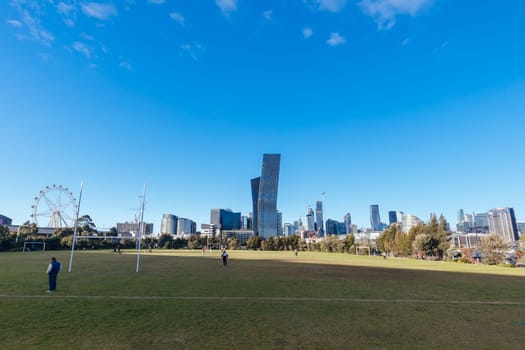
<point x="263" y="300"/>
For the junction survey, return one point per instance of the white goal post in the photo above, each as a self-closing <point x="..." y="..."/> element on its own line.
<point x="26" y="244"/>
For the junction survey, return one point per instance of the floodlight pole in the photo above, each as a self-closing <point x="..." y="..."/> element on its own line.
<point x="141" y="227"/>
<point x="76" y="230"/>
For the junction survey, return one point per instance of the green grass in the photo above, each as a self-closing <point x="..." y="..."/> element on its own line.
<point x="334" y="301"/>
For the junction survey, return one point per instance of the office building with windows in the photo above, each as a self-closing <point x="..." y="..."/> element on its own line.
<point x="348" y="222"/>
<point x="264" y="197"/>
<point x="168" y="225"/>
<point x="481" y="223"/>
<point x="319" y="221"/>
<point x="186" y="227"/>
<point x="502" y="222"/>
<point x="375" y="220"/>
<point x="4" y="220"/>
<point x="310" y="221"/>
<point x="225" y="219"/>
<point x="130" y="229"/>
<point x="334" y="227"/>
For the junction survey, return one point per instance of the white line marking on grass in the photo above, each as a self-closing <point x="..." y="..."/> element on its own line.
<point x="270" y="299"/>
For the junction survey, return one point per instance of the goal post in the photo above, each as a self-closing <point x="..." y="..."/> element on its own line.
<point x="30" y="246"/>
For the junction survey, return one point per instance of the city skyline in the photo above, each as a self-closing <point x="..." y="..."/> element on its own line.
<point x="415" y="105"/>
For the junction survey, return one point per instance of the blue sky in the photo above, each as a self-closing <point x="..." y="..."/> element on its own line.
<point x="415" y="105"/>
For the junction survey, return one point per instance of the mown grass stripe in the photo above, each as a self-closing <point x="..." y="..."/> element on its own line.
<point x="300" y="299"/>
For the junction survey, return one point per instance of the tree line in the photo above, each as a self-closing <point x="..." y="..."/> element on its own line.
<point x="428" y="241"/>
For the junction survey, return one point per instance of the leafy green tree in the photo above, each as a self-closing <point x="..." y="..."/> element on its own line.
<point x="53" y="243"/>
<point x="493" y="249"/>
<point x="64" y="232"/>
<point x="165" y="241"/>
<point x="233" y="244"/>
<point x="268" y="243"/>
<point x="424" y="243"/>
<point x="7" y="241"/>
<point x="193" y="242"/>
<point x="254" y="242"/>
<point x="28" y="229"/>
<point x="86" y="225"/>
<point x="348" y="243"/>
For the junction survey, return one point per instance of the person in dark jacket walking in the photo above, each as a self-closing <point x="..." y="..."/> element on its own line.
<point x="52" y="272"/>
<point x="224" y="256"/>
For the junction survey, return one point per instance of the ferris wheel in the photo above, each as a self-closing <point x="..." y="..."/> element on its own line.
<point x="56" y="205"/>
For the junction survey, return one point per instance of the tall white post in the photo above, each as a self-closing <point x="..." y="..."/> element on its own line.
<point x="141" y="228"/>
<point x="75" y="231"/>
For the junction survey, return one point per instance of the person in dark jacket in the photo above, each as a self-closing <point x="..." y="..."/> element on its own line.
<point x="224" y="256"/>
<point x="52" y="272"/>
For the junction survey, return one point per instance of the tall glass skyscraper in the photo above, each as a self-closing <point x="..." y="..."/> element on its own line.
<point x="264" y="197"/>
<point x="375" y="220"/>
<point x="319" y="218"/>
<point x="168" y="225"/>
<point x="348" y="222"/>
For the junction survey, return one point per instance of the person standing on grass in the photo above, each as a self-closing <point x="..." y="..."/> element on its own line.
<point x="52" y="272"/>
<point x="224" y="256"/>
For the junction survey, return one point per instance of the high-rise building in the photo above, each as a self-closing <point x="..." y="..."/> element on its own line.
<point x="4" y="220"/>
<point x="319" y="221"/>
<point x="255" y="200"/>
<point x="186" y="227"/>
<point x="289" y="230"/>
<point x="408" y="221"/>
<point x="521" y="227"/>
<point x="460" y="221"/>
<point x="502" y="222"/>
<point x="375" y="220"/>
<point x="468" y="223"/>
<point x="481" y="223"/>
<point x="348" y="222"/>
<point x="334" y="227"/>
<point x="244" y="223"/>
<point x="264" y="197"/>
<point x="168" y="225"/>
<point x="132" y="229"/>
<point x="310" y="221"/>
<point x="279" y="223"/>
<point x="392" y="217"/>
<point x="225" y="219"/>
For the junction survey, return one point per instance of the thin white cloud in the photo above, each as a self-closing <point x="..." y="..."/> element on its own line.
<point x="126" y="65"/>
<point x="14" y="23"/>
<point x="82" y="48"/>
<point x="335" y="39"/>
<point x="177" y="17"/>
<point x="384" y="12"/>
<point x="36" y="31"/>
<point x="327" y="5"/>
<point x="267" y="14"/>
<point x="307" y="32"/>
<point x="193" y="50"/>
<point x="99" y="10"/>
<point x="65" y="9"/>
<point x="227" y="6"/>
<point x="157" y="2"/>
<point x="69" y="22"/>
<point x="104" y="49"/>
<point x="86" y="36"/>
<point x="45" y="57"/>
<point x="68" y="12"/>
<point x="406" y="41"/>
